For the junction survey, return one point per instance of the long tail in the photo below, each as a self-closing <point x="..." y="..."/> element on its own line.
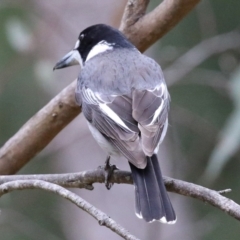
<point x="152" y="201"/>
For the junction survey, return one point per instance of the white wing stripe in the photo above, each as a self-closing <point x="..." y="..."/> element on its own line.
<point x="90" y="97"/>
<point x="110" y="113"/>
<point x="163" y="95"/>
<point x="156" y="114"/>
<point x="165" y="127"/>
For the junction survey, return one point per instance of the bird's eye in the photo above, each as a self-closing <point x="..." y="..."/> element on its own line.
<point x="81" y="37"/>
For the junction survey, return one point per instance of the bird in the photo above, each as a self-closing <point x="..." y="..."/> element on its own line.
<point x="125" y="101"/>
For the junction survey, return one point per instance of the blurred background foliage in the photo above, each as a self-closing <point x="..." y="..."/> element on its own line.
<point x="200" y="58"/>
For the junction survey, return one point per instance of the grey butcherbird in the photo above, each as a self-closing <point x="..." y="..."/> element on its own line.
<point x="125" y="100"/>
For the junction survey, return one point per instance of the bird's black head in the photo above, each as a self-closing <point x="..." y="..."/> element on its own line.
<point x="92" y="41"/>
<point x="100" y="35"/>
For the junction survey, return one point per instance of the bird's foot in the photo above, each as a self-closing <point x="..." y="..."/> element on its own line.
<point x="108" y="171"/>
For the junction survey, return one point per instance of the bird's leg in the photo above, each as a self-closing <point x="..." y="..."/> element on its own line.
<point x="108" y="171"/>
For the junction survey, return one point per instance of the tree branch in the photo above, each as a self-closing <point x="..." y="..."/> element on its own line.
<point x="144" y="30"/>
<point x="87" y="178"/>
<point x="212" y="197"/>
<point x="38" y="131"/>
<point x="100" y="216"/>
<point x="83" y="179"/>
<point x="51" y="119"/>
<point x="134" y="10"/>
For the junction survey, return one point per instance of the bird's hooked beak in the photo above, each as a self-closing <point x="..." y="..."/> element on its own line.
<point x="70" y="59"/>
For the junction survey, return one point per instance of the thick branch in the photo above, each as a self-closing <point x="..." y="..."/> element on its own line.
<point x="50" y="120"/>
<point x="38" y="131"/>
<point x="134" y="10"/>
<point x="149" y="28"/>
<point x="87" y="178"/>
<point x="100" y="216"/>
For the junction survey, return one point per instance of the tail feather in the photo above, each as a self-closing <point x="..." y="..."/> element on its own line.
<point x="170" y="213"/>
<point x="151" y="198"/>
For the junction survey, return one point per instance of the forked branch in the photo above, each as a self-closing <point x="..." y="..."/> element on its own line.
<point x="87" y="178"/>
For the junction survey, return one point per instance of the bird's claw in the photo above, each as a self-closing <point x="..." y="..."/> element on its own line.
<point x="108" y="171"/>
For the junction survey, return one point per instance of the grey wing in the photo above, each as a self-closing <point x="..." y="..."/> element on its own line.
<point x="150" y="110"/>
<point x="112" y="117"/>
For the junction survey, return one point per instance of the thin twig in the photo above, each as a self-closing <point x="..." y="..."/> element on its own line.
<point x="100" y="216"/>
<point x="225" y="191"/>
<point x="206" y="195"/>
<point x="87" y="178"/>
<point x="83" y="179"/>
